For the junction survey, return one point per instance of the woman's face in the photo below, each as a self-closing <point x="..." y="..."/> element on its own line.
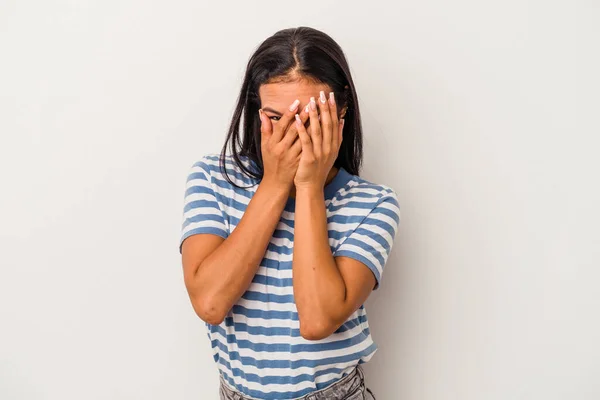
<point x="275" y="98"/>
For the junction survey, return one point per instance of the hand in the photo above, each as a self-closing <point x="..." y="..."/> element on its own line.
<point x="320" y="148"/>
<point x="279" y="147"/>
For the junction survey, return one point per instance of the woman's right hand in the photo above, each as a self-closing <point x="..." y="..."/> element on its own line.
<point x="280" y="147"/>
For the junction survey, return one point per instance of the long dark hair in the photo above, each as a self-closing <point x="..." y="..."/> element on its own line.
<point x="312" y="55"/>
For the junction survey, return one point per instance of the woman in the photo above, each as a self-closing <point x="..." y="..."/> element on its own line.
<point x="282" y="241"/>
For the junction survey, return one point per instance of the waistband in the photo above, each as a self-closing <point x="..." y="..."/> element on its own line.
<point x="338" y="390"/>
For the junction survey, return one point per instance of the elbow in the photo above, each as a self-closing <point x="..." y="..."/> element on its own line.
<point x="316" y="329"/>
<point x="209" y="311"/>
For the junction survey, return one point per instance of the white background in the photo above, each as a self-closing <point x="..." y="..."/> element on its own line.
<point x="483" y="116"/>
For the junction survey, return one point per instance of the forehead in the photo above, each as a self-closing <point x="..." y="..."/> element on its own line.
<point x="282" y="94"/>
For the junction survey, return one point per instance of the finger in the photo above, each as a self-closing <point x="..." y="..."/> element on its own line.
<point x="334" y="121"/>
<point x="304" y="138"/>
<point x="296" y="147"/>
<point x="326" y="125"/>
<point x="284" y="121"/>
<point x="315" y="128"/>
<point x="292" y="132"/>
<point x="306" y="111"/>
<point x="266" y="129"/>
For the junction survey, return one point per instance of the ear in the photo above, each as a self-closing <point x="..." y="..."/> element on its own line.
<point x="345" y="107"/>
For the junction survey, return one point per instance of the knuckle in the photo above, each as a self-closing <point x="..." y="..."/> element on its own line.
<point x="277" y="151"/>
<point x="290" y="134"/>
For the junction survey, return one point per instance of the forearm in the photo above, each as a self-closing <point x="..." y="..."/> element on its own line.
<point x="319" y="289"/>
<point x="226" y="273"/>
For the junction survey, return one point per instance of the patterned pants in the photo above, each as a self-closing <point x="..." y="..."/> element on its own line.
<point x="350" y="387"/>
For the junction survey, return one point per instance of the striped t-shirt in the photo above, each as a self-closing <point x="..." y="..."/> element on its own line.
<point x="258" y="347"/>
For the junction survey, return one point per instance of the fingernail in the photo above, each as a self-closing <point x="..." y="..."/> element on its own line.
<point x="306" y="108"/>
<point x="313" y="104"/>
<point x="298" y="121"/>
<point x="323" y="99"/>
<point x="294" y="105"/>
<point x="260" y="114"/>
<point x="331" y="98"/>
<point x="342" y="122"/>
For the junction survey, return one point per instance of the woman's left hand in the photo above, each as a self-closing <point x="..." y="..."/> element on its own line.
<point x="320" y="148"/>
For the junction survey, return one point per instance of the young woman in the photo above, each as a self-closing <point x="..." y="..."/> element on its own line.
<point x="282" y="241"/>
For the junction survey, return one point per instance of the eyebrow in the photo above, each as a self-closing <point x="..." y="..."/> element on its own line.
<point x="280" y="114"/>
<point x="273" y="111"/>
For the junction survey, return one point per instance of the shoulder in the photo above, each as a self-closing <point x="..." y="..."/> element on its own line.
<point x="214" y="167"/>
<point x="210" y="163"/>
<point x="371" y="193"/>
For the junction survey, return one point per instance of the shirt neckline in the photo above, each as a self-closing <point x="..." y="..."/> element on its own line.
<point x="341" y="178"/>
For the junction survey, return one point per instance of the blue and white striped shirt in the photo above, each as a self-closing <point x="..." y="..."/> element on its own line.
<point x="258" y="347"/>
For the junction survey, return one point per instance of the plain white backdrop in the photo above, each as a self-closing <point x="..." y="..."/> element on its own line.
<point x="483" y="116"/>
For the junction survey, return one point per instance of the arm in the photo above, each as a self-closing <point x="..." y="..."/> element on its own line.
<point x="328" y="287"/>
<point x="218" y="268"/>
<point x="327" y="290"/>
<point x="218" y="271"/>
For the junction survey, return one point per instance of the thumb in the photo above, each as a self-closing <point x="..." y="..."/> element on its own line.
<point x="266" y="129"/>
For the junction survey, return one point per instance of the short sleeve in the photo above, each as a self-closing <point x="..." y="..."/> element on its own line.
<point x="371" y="242"/>
<point x="201" y="209"/>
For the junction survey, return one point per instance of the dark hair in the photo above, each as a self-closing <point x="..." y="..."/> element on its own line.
<point x="305" y="53"/>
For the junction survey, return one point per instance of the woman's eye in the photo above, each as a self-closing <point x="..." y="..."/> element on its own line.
<point x="275" y="118"/>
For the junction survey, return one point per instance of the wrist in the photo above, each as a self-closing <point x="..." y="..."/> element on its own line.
<point x="278" y="189"/>
<point x="310" y="189"/>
